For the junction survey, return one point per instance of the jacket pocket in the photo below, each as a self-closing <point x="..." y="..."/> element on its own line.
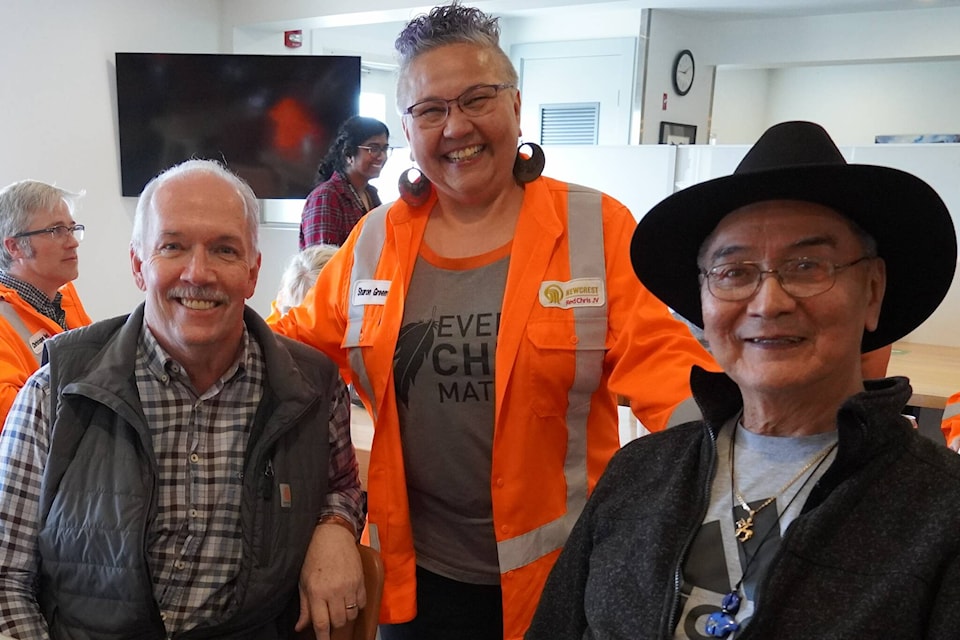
<point x="561" y="354"/>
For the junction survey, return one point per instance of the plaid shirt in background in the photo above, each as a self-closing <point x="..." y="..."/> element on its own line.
<point x="331" y="211"/>
<point x="37" y="299"/>
<point x="200" y="441"/>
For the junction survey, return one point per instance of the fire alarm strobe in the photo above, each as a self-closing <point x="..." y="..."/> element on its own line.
<point x="293" y="39"/>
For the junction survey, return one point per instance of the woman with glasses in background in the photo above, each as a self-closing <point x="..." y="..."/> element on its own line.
<point x="344" y="193"/>
<point x="488" y="320"/>
<point x="39" y="239"/>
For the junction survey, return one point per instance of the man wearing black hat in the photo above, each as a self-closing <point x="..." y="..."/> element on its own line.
<point x="803" y="505"/>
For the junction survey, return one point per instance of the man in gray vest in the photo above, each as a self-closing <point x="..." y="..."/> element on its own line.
<point x="168" y="472"/>
<point x="38" y="262"/>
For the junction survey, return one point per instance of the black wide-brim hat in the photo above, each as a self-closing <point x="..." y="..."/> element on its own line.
<point x="798" y="161"/>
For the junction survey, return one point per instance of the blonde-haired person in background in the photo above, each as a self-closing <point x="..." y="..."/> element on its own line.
<point x="300" y="274"/>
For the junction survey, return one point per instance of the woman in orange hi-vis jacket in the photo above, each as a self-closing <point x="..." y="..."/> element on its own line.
<point x="38" y="261"/>
<point x="19" y="356"/>
<point x="488" y="320"/>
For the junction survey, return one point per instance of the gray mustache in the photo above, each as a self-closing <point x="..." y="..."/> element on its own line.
<point x="198" y="293"/>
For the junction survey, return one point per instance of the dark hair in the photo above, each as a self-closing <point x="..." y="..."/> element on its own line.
<point x="351" y="133"/>
<point x="450" y="24"/>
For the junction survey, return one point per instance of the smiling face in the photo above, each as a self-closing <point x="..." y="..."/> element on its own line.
<point x="368" y="165"/>
<point x="468" y="159"/>
<point x="771" y="342"/>
<point x="43" y="260"/>
<point x="197" y="267"/>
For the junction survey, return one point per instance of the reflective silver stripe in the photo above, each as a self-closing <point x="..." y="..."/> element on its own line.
<point x="585" y="237"/>
<point x="951" y="410"/>
<point x="9" y="313"/>
<point x="366" y="256"/>
<point x="686" y="411"/>
<point x="374" y="533"/>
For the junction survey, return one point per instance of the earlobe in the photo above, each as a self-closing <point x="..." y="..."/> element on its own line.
<point x="12" y="247"/>
<point x="136" y="266"/>
<point x="877" y="285"/>
<point x="254" y="276"/>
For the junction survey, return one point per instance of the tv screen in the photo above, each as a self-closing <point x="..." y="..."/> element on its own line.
<point x="270" y="119"/>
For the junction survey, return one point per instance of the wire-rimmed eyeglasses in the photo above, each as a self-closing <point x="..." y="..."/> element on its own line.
<point x="478" y="100"/>
<point x="376" y="149"/>
<point x="59" y="232"/>
<point x="799" y="277"/>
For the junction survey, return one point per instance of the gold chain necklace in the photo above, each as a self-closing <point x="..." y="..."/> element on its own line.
<point x="744" y="530"/>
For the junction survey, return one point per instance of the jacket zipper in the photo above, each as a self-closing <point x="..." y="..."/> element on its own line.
<point x="705" y="504"/>
<point x="266" y="493"/>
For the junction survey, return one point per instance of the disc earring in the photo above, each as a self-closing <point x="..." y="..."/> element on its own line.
<point x="414" y="187"/>
<point x="528" y="169"/>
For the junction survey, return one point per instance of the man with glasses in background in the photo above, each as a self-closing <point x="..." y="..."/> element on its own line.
<point x="38" y="263"/>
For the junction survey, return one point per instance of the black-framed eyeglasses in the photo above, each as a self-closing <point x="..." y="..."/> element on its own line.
<point x="376" y="149"/>
<point x="59" y="232"/>
<point x="799" y="277"/>
<point x="478" y="100"/>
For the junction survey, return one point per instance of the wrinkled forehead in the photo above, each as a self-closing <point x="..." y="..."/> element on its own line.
<point x="779" y="225"/>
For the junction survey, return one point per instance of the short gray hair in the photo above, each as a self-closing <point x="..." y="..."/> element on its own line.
<point x="20" y="201"/>
<point x="251" y="207"/>
<point x="445" y="25"/>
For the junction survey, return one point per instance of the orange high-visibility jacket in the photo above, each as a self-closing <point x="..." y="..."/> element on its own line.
<point x="951" y="418"/>
<point x="560" y="363"/>
<point x="18" y="358"/>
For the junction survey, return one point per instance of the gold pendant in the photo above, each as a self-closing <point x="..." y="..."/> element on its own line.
<point x="744" y="528"/>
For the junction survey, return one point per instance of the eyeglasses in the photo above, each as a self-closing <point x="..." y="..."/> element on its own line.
<point x="800" y="277"/>
<point x="478" y="100"/>
<point x="59" y="232"/>
<point x="376" y="149"/>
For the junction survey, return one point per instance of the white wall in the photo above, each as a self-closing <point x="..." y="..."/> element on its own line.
<point x="669" y="34"/>
<point x="59" y="113"/>
<point x="853" y="102"/>
<point x="859" y="75"/>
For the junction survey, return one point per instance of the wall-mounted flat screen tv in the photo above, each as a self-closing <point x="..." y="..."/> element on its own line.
<point x="270" y="119"/>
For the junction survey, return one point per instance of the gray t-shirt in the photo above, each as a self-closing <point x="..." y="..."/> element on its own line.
<point x="444" y="377"/>
<point x="717" y="560"/>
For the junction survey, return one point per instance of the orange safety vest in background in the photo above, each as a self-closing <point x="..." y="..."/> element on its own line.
<point x="951" y="418"/>
<point x="574" y="333"/>
<point x="21" y="342"/>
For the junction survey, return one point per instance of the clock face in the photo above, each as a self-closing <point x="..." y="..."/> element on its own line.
<point x="683" y="69"/>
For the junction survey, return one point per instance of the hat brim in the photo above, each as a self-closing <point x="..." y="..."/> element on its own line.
<point x="913" y="229"/>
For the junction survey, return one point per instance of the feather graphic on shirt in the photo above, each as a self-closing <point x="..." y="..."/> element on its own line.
<point x="413" y="345"/>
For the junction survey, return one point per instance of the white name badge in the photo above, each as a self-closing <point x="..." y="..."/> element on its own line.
<point x="581" y="292"/>
<point x="37" y="340"/>
<point x="370" y="292"/>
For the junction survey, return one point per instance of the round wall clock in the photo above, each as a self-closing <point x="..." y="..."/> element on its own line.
<point x="683" y="69"/>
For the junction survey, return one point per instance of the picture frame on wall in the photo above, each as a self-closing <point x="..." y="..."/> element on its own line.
<point x="676" y="133"/>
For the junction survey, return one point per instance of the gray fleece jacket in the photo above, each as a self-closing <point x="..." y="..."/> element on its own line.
<point x="875" y="553"/>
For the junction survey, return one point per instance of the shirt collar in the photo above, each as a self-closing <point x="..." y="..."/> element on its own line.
<point x="36" y="298"/>
<point x="165" y="368"/>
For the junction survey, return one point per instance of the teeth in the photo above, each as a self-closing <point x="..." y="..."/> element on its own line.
<point x="197" y="305"/>
<point x="463" y="154"/>
<point x="774" y="340"/>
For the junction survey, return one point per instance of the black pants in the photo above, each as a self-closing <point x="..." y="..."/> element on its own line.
<point x="451" y="610"/>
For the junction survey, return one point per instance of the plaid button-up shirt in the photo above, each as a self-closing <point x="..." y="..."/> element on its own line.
<point x="332" y="210"/>
<point x="37" y="299"/>
<point x="199" y="441"/>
